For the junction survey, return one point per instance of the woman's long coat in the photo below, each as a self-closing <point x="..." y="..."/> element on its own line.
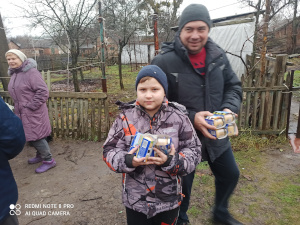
<point x="30" y="94"/>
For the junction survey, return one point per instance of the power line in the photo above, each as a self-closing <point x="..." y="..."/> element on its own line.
<point x="224" y="6"/>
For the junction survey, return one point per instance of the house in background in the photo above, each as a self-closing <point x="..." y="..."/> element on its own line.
<point x="13" y="45"/>
<point x="88" y="49"/>
<point x="280" y="38"/>
<point x="111" y="50"/>
<point x="139" y="50"/>
<point x="33" y="48"/>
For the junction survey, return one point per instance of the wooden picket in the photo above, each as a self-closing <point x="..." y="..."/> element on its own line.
<point x="265" y="99"/>
<point x="77" y="115"/>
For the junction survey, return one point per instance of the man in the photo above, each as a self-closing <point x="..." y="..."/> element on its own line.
<point x="201" y="78"/>
<point x="12" y="140"/>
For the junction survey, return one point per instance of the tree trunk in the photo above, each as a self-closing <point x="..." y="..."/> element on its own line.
<point x="265" y="40"/>
<point x="129" y="54"/>
<point x="3" y="63"/>
<point x="136" y="63"/>
<point x="81" y="74"/>
<point x="149" y="57"/>
<point x="294" y="30"/>
<point x="120" y="68"/>
<point x="255" y="39"/>
<point x="75" y="81"/>
<point x="74" y="73"/>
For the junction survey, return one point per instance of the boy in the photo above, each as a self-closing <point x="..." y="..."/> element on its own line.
<point x="152" y="188"/>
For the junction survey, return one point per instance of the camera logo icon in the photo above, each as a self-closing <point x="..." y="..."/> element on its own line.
<point x="15" y="209"/>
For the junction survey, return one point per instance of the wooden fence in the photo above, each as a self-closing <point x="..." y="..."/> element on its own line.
<point x="265" y="99"/>
<point x="264" y="110"/>
<point x="77" y="115"/>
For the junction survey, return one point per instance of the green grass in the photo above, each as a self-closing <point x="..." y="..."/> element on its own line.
<point x="262" y="196"/>
<point x="296" y="82"/>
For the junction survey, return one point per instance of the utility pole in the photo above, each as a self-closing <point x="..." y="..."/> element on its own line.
<point x="156" y="45"/>
<point x="3" y="50"/>
<point x="101" y="22"/>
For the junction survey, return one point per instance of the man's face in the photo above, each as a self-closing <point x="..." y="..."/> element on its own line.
<point x="150" y="95"/>
<point x="194" y="36"/>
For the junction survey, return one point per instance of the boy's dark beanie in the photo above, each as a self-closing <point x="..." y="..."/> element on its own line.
<point x="194" y="12"/>
<point x="155" y="72"/>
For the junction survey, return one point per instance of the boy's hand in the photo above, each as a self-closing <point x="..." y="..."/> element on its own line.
<point x="138" y="162"/>
<point x="162" y="157"/>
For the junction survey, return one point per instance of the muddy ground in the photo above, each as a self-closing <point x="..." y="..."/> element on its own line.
<point x="81" y="189"/>
<point x="81" y="179"/>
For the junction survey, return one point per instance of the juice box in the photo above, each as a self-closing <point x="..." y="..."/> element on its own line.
<point x="137" y="139"/>
<point x="146" y="147"/>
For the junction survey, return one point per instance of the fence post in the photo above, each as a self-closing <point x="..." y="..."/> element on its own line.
<point x="43" y="74"/>
<point x="49" y="80"/>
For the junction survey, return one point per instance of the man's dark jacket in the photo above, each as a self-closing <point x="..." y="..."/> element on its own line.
<point x="219" y="88"/>
<point x="12" y="140"/>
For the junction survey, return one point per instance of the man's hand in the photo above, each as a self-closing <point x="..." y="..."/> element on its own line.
<point x="228" y="110"/>
<point x="236" y="115"/>
<point x="201" y="125"/>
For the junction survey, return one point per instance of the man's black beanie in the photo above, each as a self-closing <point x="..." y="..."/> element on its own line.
<point x="194" y="12"/>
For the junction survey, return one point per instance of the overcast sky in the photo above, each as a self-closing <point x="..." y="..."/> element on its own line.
<point x="217" y="9"/>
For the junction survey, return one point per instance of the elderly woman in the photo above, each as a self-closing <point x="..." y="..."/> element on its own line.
<point x="30" y="93"/>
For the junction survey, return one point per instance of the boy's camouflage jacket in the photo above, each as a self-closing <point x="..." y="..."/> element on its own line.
<point x="152" y="189"/>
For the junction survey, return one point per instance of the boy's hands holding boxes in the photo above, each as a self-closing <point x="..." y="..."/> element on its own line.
<point x="138" y="161"/>
<point x="149" y="149"/>
<point x="162" y="157"/>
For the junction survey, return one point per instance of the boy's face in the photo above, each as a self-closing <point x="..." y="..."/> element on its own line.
<point x="150" y="95"/>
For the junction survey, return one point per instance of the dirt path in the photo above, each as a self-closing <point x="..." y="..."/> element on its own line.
<point x="81" y="179"/>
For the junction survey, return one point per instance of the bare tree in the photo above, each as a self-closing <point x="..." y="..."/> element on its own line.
<point x="66" y="22"/>
<point x="269" y="8"/>
<point x="295" y="27"/>
<point x="122" y="20"/>
<point x="167" y="16"/>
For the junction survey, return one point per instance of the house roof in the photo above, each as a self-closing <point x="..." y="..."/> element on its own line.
<point x="285" y="23"/>
<point x="17" y="44"/>
<point x="31" y="42"/>
<point x="88" y="46"/>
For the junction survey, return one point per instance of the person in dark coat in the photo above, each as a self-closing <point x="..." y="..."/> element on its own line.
<point x="200" y="78"/>
<point x="30" y="94"/>
<point x="12" y="140"/>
